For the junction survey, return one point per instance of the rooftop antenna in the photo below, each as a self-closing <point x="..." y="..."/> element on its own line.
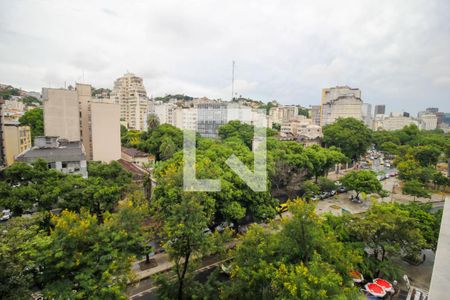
<point x="232" y="82"/>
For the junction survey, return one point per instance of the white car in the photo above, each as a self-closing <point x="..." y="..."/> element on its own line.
<point x="6" y="215"/>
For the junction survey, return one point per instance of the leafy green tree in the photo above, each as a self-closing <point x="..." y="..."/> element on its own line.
<point x="351" y="136"/>
<point x="308" y="189"/>
<point x="322" y="160"/>
<point x="30" y="100"/>
<point x="35" y="119"/>
<point x="388" y="231"/>
<point x="326" y="184"/>
<point x="237" y="129"/>
<point x="362" y="181"/>
<point x="17" y="268"/>
<point x="83" y="259"/>
<point x="389" y="147"/>
<point x="300" y="260"/>
<point x="427" y="155"/>
<point x="303" y="112"/>
<point x="186" y="240"/>
<point x="153" y="141"/>
<point x="415" y="188"/>
<point x="440" y="180"/>
<point x="131" y="138"/>
<point x="426" y="221"/>
<point x="410" y="169"/>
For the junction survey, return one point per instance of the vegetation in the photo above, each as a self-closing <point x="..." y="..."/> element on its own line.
<point x="169" y="97"/>
<point x="35" y="119"/>
<point x="301" y="260"/>
<point x="84" y="234"/>
<point x="349" y="135"/>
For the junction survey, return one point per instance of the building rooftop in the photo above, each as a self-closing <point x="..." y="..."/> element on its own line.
<point x="65" y="151"/>
<point x="134" y="152"/>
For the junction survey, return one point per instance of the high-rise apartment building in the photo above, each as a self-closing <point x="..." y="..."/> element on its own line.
<point x="340" y="102"/>
<point x="61" y="113"/>
<point x="129" y="92"/>
<point x="16" y="139"/>
<point x="74" y="115"/>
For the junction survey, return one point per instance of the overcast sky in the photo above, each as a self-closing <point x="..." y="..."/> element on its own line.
<point x="396" y="52"/>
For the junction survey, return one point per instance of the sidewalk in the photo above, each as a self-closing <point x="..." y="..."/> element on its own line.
<point x="163" y="265"/>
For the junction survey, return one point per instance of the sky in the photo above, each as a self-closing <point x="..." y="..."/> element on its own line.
<point x="396" y="52"/>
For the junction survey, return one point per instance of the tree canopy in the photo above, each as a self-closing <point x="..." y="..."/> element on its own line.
<point x="351" y="136"/>
<point x="35" y="119"/>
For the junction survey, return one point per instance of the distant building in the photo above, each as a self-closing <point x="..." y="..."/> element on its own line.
<point x="164" y="111"/>
<point x="16" y="139"/>
<point x="210" y="116"/>
<point x="129" y="92"/>
<point x="340" y="102"/>
<point x="65" y="156"/>
<point x="395" y="121"/>
<point x="428" y="121"/>
<point x="379" y="110"/>
<point x="315" y="114"/>
<point x="366" y="111"/>
<point x="406" y="114"/>
<point x="283" y="113"/>
<point x="432" y="110"/>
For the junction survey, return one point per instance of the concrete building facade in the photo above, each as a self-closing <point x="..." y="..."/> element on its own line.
<point x="97" y="121"/>
<point x="17" y="139"/>
<point x="428" y="121"/>
<point x="61" y="113"/>
<point x="129" y="92"/>
<point x="395" y="121"/>
<point x="104" y="122"/>
<point x="340" y="102"/>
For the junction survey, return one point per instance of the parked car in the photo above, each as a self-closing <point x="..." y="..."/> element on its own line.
<point x="6" y="215"/>
<point x="221" y="227"/>
<point x="333" y="192"/>
<point x="315" y="198"/>
<point x="342" y="189"/>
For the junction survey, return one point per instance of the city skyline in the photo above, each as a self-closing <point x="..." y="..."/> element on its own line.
<point x="396" y="53"/>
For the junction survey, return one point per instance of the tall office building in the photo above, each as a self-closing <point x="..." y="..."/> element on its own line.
<point x="340" y="102"/>
<point x="129" y="92"/>
<point x="379" y="110"/>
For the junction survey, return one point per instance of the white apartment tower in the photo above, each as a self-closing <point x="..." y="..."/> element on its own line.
<point x="129" y="92"/>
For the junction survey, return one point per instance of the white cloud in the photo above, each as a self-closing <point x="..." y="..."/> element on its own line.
<point x="397" y="52"/>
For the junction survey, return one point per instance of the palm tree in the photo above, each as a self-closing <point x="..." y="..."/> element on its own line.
<point x="152" y="121"/>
